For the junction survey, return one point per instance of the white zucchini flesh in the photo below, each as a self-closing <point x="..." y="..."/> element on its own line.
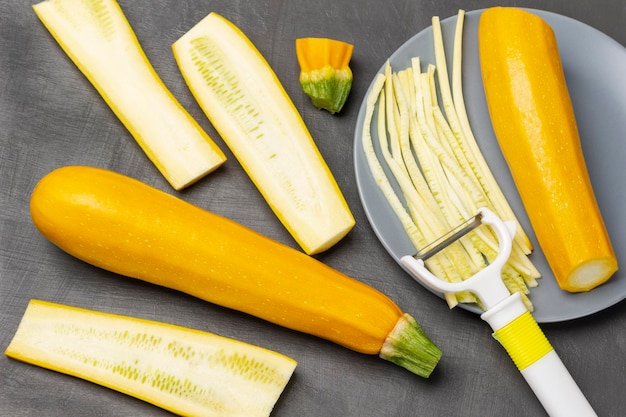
<point x="246" y="103"/>
<point x="185" y="371"/>
<point x="97" y="37"/>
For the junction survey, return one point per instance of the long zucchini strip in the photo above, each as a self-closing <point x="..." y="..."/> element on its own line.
<point x="243" y="98"/>
<point x="186" y="371"/>
<point x="97" y="37"/>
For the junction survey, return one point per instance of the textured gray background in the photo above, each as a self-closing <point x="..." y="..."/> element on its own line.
<point x="51" y="116"/>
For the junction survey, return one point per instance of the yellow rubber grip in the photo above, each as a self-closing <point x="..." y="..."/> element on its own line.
<point x="523" y="340"/>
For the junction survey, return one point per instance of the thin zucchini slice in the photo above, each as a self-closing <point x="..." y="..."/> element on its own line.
<point x="97" y="37"/>
<point x="249" y="107"/>
<point x="185" y="371"/>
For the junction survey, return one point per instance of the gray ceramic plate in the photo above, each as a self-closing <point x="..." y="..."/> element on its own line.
<point x="594" y="66"/>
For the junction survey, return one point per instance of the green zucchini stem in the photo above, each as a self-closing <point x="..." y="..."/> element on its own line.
<point x="408" y="346"/>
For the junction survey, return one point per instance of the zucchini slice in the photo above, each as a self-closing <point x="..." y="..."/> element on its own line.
<point x="184" y="371"/>
<point x="247" y="104"/>
<point x="97" y="37"/>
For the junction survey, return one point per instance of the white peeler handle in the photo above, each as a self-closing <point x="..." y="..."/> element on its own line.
<point x="516" y="329"/>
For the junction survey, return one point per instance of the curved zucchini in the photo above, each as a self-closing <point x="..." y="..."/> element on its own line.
<point x="122" y="225"/>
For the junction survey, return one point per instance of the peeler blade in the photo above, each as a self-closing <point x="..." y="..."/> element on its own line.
<point x="453" y="235"/>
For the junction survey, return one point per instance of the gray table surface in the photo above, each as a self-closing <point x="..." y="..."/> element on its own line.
<point x="51" y="116"/>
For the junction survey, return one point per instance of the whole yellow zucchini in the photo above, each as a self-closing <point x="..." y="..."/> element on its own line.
<point x="534" y="122"/>
<point x="127" y="227"/>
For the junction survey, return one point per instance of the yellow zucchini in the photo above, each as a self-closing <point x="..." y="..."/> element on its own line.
<point x="122" y="225"/>
<point x="534" y="122"/>
<point x="185" y="371"/>
<point x="97" y="37"/>
<point x="250" y="109"/>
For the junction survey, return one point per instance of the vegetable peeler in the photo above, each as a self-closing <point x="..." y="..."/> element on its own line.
<point x="513" y="325"/>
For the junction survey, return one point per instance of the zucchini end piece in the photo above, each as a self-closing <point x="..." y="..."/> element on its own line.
<point x="408" y="346"/>
<point x="328" y="88"/>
